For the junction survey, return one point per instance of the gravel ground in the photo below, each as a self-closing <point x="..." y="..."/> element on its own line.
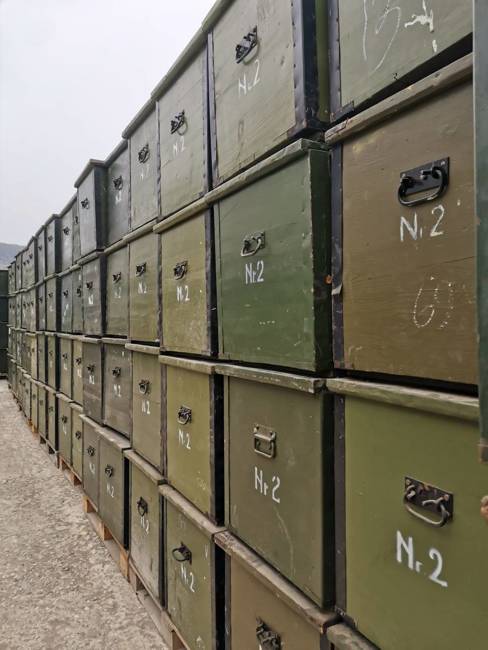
<point x="59" y="587"/>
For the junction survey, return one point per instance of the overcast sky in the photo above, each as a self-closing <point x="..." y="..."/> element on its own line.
<point x="73" y="73"/>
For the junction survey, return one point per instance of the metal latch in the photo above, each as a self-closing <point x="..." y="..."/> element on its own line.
<point x="66" y="230"/>
<point x="85" y="204"/>
<point x="267" y="639"/>
<point x="141" y="268"/>
<point x="143" y="155"/>
<point x="109" y="471"/>
<point x="430" y="499"/>
<point x="89" y="285"/>
<point x="177" y="122"/>
<point x="142" y="506"/>
<point x="431" y="176"/>
<point x="116" y="277"/>
<point x="247" y="45"/>
<point x="90" y="451"/>
<point x="144" y="386"/>
<point x="264" y="441"/>
<point x="251" y="244"/>
<point x="117" y="371"/>
<point x="182" y="553"/>
<point x="184" y="415"/>
<point x="118" y="182"/>
<point x="180" y="269"/>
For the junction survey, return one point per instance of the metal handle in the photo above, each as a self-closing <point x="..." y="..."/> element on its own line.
<point x="267" y="639"/>
<point x="141" y="268"/>
<point x="142" y="506"/>
<point x="144" y="386"/>
<point x="109" y="470"/>
<point x="66" y="230"/>
<point x="77" y="435"/>
<point x="180" y="270"/>
<point x="247" y="45"/>
<point x="177" y="122"/>
<point x="433" y="175"/>
<point x="264" y="441"/>
<point x="184" y="415"/>
<point x="252" y="244"/>
<point x="66" y="293"/>
<point x="85" y="204"/>
<point x="50" y="294"/>
<point x="79" y="291"/>
<point x="78" y="361"/>
<point x="50" y="409"/>
<point x="89" y="285"/>
<point x="91" y="368"/>
<point x="65" y="355"/>
<point x="118" y="182"/>
<point x="41" y="299"/>
<point x="39" y="247"/>
<point x="49" y="238"/>
<point x="116" y="372"/>
<point x="76" y="218"/>
<point x="430" y="498"/>
<point x="90" y="451"/>
<point x="143" y="155"/>
<point x="182" y="553"/>
<point x="64" y="419"/>
<point x="116" y="277"/>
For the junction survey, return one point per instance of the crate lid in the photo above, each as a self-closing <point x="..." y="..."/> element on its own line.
<point x="113" y="155"/>
<point x="68" y="205"/>
<point x="140" y="117"/>
<point x="147" y="469"/>
<point x="112" y="340"/>
<point x="113" y="438"/>
<point x="90" y="165"/>
<point x="205" y="367"/>
<point x="459" y="406"/>
<point x="64" y="397"/>
<point x="312" y="385"/>
<point x="343" y="638"/>
<point x="190" y="511"/>
<point x="144" y="349"/>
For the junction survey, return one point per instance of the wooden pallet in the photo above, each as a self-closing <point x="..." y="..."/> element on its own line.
<point x="68" y="472"/>
<point x="119" y="554"/>
<point x="157" y="614"/>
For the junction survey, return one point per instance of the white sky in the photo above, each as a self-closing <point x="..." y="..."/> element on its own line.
<point x="73" y="73"/>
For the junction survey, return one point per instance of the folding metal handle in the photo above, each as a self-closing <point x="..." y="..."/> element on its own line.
<point x="85" y="204"/>
<point x="142" y="506"/>
<point x="78" y="435"/>
<point x="79" y="291"/>
<point x="144" y="386"/>
<point x="64" y="419"/>
<point x="30" y="257"/>
<point x="78" y="361"/>
<point x="252" y="244"/>
<point x="66" y="230"/>
<point x="177" y="122"/>
<point x="118" y="182"/>
<point x="91" y="367"/>
<point x="141" y="268"/>
<point x="65" y="355"/>
<point x="89" y="285"/>
<point x="267" y="639"/>
<point x="182" y="553"/>
<point x="41" y="299"/>
<point x="39" y="247"/>
<point x="75" y="219"/>
<point x="264" y="441"/>
<point x="66" y="293"/>
<point x="143" y="155"/>
<point x="116" y="277"/>
<point x="180" y="270"/>
<point x="429" y="498"/>
<point x="117" y="371"/>
<point x="247" y="45"/>
<point x="431" y="176"/>
<point x="109" y="471"/>
<point x="90" y="451"/>
<point x="49" y="238"/>
<point x="50" y="294"/>
<point x="184" y="415"/>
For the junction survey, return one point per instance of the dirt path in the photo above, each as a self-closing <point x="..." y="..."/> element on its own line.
<point x="59" y="587"/>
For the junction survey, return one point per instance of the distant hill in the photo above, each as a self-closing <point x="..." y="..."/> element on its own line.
<point x="7" y="253"/>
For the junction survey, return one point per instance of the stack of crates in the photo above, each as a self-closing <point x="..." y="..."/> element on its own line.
<point x="252" y="332"/>
<point x="4" y="310"/>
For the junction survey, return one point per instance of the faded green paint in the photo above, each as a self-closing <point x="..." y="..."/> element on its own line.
<point x="32" y="343"/>
<point x="77" y="370"/>
<point x="382" y="537"/>
<point x="381" y="43"/>
<point x="146" y="405"/>
<point x="76" y="440"/>
<point x="66" y="365"/>
<point x="41" y="254"/>
<point x="144" y="172"/>
<point x="52" y="245"/>
<point x="117" y="386"/>
<point x="118" y="183"/>
<point x="12" y="314"/>
<point x="183" y="153"/>
<point x="113" y="484"/>
<point x="190" y="584"/>
<point x="11" y="278"/>
<point x="52" y="304"/>
<point x="52" y="361"/>
<point x="146" y="525"/>
<point x="266" y="490"/>
<point x="481" y="139"/>
<point x="41" y="357"/>
<point x="41" y="410"/>
<point x="274" y="305"/>
<point x="91" y="460"/>
<point x="191" y="446"/>
<point x="92" y="379"/>
<point x="91" y="209"/>
<point x="27" y="396"/>
<point x="186" y="326"/>
<point x="144" y="288"/>
<point x="35" y="404"/>
<point x="66" y="237"/>
<point x="76" y="234"/>
<point x="77" y="322"/>
<point x="18" y="271"/>
<point x="64" y="427"/>
<point x="41" y="306"/>
<point x="94" y="296"/>
<point x="118" y="293"/>
<point x="52" y="418"/>
<point x="67" y="303"/>
<point x="18" y="309"/>
<point x="409" y="272"/>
